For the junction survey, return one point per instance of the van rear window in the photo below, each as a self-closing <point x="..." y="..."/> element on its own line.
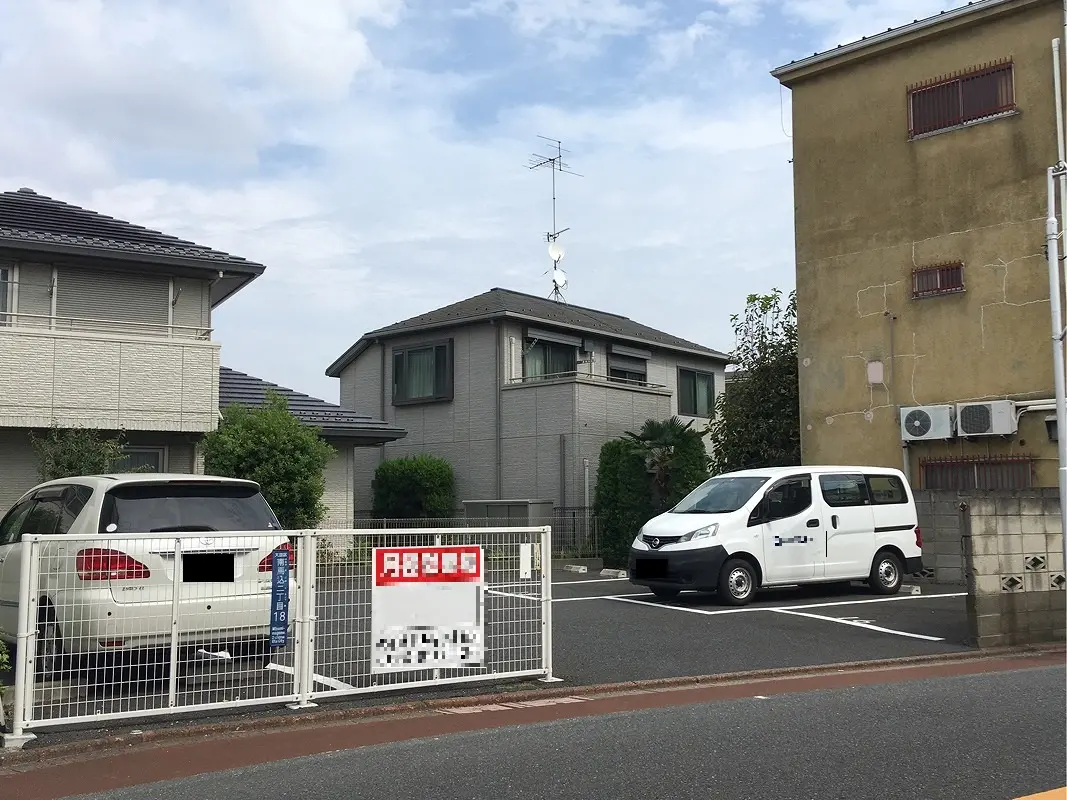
<point x="887" y="489"/>
<point x="194" y="506"/>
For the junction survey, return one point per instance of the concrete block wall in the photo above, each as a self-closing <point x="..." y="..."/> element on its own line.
<point x="942" y="542"/>
<point x="1013" y="566"/>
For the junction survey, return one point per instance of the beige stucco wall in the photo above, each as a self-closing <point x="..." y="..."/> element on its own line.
<point x="871" y="206"/>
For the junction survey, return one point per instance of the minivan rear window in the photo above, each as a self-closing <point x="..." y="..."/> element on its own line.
<point x="887" y="489"/>
<point x="159" y="507"/>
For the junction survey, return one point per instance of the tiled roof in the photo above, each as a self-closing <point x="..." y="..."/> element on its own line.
<point x="238" y="387"/>
<point x="29" y="220"/>
<point x="507" y="303"/>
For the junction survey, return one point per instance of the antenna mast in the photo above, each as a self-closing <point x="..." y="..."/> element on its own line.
<point x="555" y="163"/>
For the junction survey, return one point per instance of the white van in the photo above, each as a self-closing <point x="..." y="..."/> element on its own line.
<point x="782" y="526"/>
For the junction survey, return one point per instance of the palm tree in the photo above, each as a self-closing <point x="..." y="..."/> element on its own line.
<point x="664" y="444"/>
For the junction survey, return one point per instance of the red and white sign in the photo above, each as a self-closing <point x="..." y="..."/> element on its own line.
<point x="427" y="608"/>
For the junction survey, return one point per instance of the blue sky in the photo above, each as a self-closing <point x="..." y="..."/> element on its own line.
<point x="371" y="152"/>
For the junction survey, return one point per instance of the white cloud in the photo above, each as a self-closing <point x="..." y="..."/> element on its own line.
<point x="408" y="191"/>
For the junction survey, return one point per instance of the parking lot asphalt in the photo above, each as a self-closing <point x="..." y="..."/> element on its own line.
<point x="605" y="630"/>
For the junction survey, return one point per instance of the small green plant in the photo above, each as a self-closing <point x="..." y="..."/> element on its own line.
<point x="5" y="658"/>
<point x="65" y="452"/>
<point x="414" y="487"/>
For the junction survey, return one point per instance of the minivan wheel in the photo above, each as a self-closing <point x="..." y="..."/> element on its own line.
<point x="887" y="572"/>
<point x="665" y="594"/>
<point x="737" y="582"/>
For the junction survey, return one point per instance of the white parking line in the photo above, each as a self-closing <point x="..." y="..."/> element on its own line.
<point x="333" y="683"/>
<point x="601" y="597"/>
<point x="704" y="611"/>
<point x="590" y="580"/>
<point x="882" y="600"/>
<point x="857" y="624"/>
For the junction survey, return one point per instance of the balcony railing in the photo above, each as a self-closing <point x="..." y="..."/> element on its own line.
<point x="114" y="327"/>
<point x="583" y="376"/>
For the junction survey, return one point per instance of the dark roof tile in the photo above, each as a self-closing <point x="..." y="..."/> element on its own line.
<point x="28" y="219"/>
<point x="239" y="387"/>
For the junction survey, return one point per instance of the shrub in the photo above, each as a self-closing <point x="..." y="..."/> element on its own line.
<point x="414" y="487"/>
<point x="622" y="501"/>
<point x="65" y="452"/>
<point x="675" y="457"/>
<point x="272" y="447"/>
<point x="5" y="659"/>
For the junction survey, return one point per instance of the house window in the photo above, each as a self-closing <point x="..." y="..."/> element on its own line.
<point x="696" y="393"/>
<point x="627" y="369"/>
<point x="978" y="472"/>
<point x="422" y="373"/>
<point x="142" y="459"/>
<point x="940" y="279"/>
<point x="549" y="359"/>
<point x="960" y="99"/>
<point x="7" y="291"/>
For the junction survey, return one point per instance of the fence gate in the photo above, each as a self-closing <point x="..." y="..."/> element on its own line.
<point x="118" y="626"/>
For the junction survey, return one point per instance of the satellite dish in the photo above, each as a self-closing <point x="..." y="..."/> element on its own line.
<point x="555" y="252"/>
<point x="559" y="278"/>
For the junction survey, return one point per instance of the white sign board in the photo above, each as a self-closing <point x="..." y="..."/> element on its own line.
<point x="427" y="608"/>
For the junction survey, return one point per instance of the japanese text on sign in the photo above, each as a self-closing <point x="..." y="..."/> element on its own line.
<point x="279" y="598"/>
<point x="427" y="565"/>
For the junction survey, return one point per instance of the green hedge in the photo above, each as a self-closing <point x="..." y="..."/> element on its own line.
<point x="414" y="487"/>
<point x="622" y="501"/>
<point x="5" y="660"/>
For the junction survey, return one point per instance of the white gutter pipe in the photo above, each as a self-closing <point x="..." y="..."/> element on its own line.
<point x="1052" y="236"/>
<point x="1061" y="148"/>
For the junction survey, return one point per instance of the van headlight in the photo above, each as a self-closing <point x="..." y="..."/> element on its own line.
<point x="701" y="533"/>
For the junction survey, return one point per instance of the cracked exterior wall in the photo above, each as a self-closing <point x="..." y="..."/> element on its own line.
<point x="871" y="206"/>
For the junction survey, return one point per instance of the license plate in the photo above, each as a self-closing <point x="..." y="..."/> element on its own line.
<point x="207" y="568"/>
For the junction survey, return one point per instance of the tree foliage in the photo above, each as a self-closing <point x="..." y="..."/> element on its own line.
<point x="66" y="452"/>
<point x="5" y="659"/>
<point x="674" y="456"/>
<point x="641" y="475"/>
<point x="757" y="419"/>
<point x="272" y="447"/>
<point x="414" y="487"/>
<point x="622" y="502"/>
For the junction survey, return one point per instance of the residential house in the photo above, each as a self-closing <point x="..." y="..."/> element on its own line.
<point x="518" y="393"/>
<point x="108" y="325"/>
<point x="920" y="159"/>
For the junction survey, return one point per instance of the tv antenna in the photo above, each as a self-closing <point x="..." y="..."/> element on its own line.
<point x="555" y="163"/>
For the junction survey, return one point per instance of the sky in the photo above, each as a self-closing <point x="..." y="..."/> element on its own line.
<point x="373" y="153"/>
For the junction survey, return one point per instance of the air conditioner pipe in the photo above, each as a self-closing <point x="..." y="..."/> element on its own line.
<point x="1061" y="107"/>
<point x="1052" y="234"/>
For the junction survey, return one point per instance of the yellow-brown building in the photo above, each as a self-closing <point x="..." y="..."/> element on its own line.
<point x="920" y="160"/>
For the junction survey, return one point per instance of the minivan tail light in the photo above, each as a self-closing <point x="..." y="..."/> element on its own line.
<point x="918" y="537"/>
<point x="98" y="564"/>
<point x="267" y="564"/>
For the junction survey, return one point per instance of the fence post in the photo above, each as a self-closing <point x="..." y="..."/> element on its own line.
<point x="304" y="655"/>
<point x="546" y="605"/>
<point x="26" y="649"/>
<point x="175" y="615"/>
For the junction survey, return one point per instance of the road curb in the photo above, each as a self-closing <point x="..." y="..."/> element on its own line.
<point x="19" y="760"/>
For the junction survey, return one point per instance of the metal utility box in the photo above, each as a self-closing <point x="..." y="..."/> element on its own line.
<point x="514" y="512"/>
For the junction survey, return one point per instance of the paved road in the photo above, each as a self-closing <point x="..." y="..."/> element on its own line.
<point x="995" y="736"/>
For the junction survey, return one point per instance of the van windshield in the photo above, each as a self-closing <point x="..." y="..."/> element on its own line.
<point x="720" y="495"/>
<point x="193" y="506"/>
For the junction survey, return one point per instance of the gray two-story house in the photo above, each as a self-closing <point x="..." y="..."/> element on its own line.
<point x="108" y="325"/>
<point x="519" y="392"/>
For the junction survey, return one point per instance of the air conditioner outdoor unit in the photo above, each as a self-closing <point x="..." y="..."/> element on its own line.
<point x="988" y="418"/>
<point x="927" y="423"/>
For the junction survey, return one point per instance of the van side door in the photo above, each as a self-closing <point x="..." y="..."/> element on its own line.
<point x="790" y="542"/>
<point x="850" y="541"/>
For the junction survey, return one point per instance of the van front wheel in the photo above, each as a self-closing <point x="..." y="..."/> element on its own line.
<point x="737" y="582"/>
<point x="887" y="572"/>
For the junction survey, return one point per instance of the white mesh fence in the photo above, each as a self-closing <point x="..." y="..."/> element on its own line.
<point x="115" y="626"/>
